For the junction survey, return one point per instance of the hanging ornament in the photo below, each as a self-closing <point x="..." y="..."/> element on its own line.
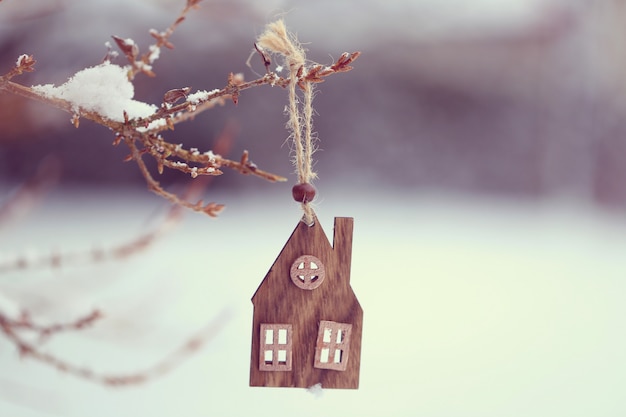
<point x="307" y="322"/>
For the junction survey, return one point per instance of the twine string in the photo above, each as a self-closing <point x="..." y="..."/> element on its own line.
<point x="276" y="39"/>
<point x="307" y="166"/>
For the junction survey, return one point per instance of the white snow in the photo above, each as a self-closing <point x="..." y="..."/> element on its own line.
<point x="472" y="308"/>
<point x="104" y="89"/>
<point x="20" y="59"/>
<point x="201" y="95"/>
<point x="316" y="390"/>
<point x="144" y="67"/>
<point x="155" y="124"/>
<point x="198" y="96"/>
<point x="155" y="52"/>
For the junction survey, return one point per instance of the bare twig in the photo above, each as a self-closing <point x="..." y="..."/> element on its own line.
<point x="12" y="329"/>
<point x="31" y="191"/>
<point x="24" y="322"/>
<point x="144" y="62"/>
<point x="142" y="135"/>
<point x="118" y="252"/>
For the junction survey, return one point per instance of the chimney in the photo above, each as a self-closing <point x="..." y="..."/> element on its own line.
<point x="342" y="242"/>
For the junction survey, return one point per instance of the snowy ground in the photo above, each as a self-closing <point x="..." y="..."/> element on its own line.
<point x="473" y="307"/>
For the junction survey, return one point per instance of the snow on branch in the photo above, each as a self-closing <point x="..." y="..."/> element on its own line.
<point x="104" y="93"/>
<point x="103" y="89"/>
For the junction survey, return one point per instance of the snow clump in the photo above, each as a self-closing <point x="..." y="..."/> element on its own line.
<point x="200" y="96"/>
<point x="103" y="89"/>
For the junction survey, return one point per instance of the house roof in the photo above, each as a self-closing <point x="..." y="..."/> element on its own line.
<point x="311" y="240"/>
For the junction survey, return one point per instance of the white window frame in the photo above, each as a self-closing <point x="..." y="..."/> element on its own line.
<point x="333" y="345"/>
<point x="278" y="350"/>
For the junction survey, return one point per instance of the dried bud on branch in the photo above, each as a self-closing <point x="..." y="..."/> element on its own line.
<point x="175" y="95"/>
<point x="128" y="48"/>
<point x="104" y="94"/>
<point x="139" y="125"/>
<point x="25" y="63"/>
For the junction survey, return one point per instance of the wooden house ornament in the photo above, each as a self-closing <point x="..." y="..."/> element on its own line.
<point x="307" y="321"/>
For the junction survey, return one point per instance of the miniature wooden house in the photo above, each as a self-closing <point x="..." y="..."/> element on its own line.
<point x="307" y="321"/>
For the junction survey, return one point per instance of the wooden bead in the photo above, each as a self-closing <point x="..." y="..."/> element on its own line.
<point x="303" y="193"/>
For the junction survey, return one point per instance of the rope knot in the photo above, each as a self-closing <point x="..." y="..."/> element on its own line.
<point x="276" y="39"/>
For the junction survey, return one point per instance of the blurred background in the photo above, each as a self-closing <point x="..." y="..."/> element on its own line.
<point x="512" y="97"/>
<point x="480" y="146"/>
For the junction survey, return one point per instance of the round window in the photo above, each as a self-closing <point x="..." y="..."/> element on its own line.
<point x="307" y="272"/>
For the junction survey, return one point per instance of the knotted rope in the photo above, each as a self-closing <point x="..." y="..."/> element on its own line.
<point x="276" y="39"/>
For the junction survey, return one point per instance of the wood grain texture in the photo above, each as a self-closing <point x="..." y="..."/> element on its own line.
<point x="279" y="300"/>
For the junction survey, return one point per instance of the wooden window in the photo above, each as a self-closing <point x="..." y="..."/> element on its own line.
<point x="333" y="345"/>
<point x="276" y="347"/>
<point x="307" y="272"/>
